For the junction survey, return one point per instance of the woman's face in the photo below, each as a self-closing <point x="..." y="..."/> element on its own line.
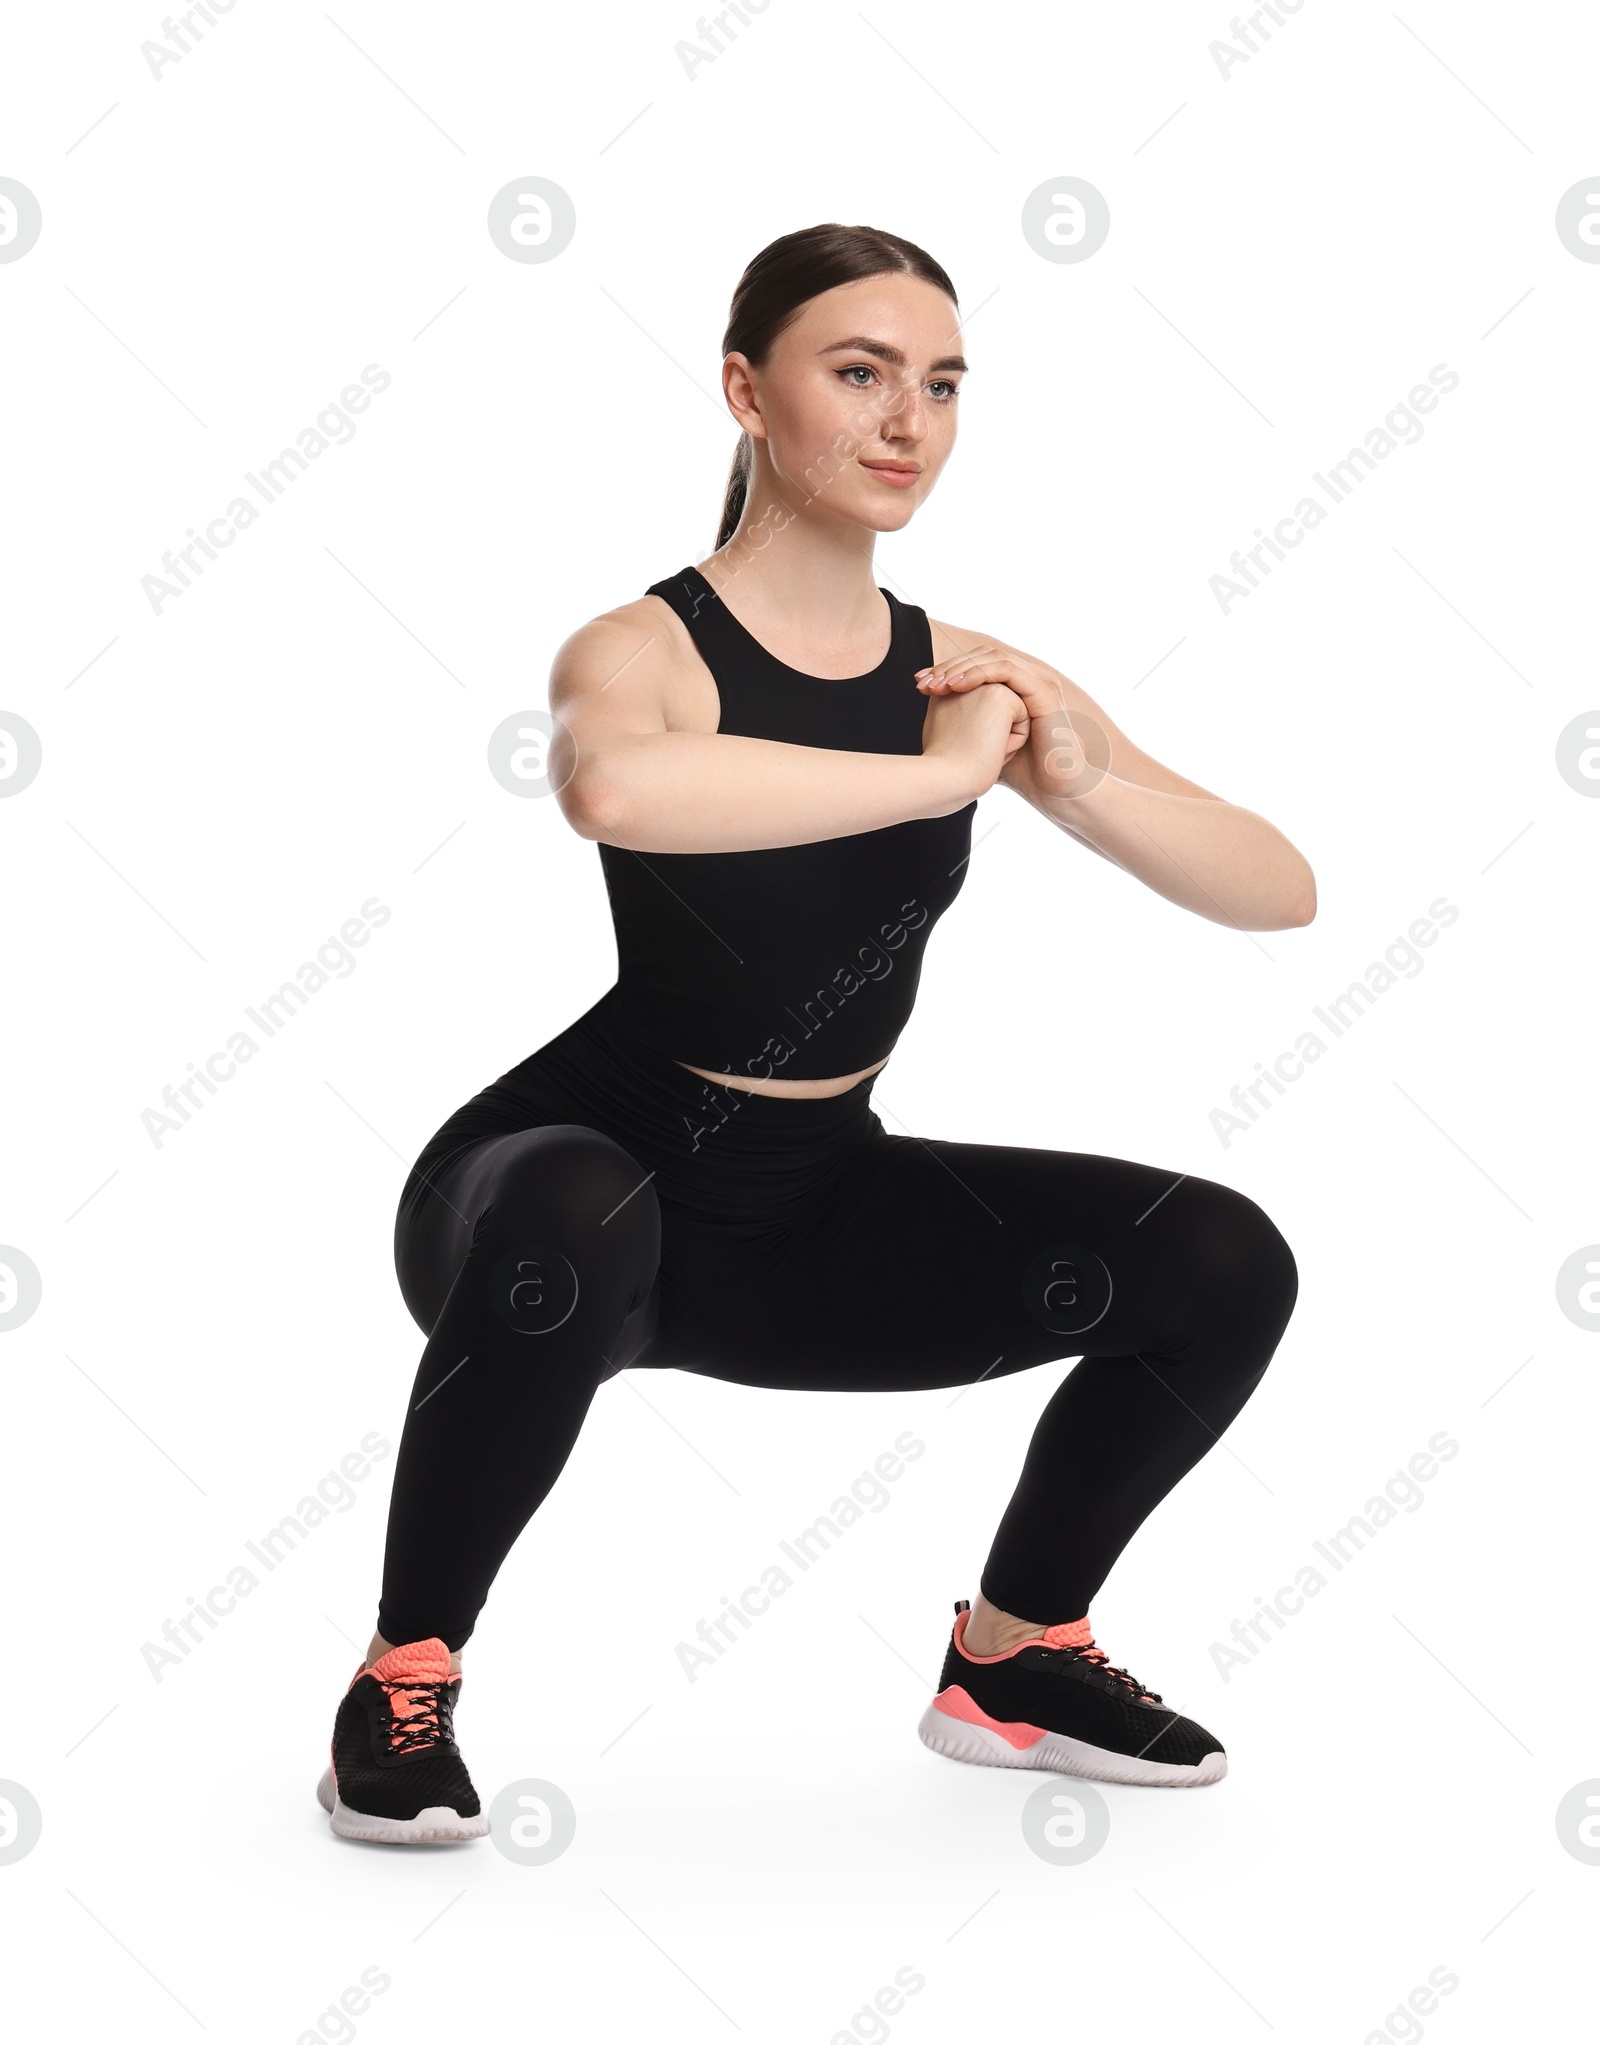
<point x="859" y="389"/>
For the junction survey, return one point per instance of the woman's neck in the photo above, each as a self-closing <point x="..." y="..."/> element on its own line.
<point x="799" y="582"/>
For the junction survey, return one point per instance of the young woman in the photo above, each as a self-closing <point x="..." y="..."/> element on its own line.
<point x="780" y="761"/>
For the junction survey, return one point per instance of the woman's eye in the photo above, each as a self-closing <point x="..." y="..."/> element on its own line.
<point x="944" y="384"/>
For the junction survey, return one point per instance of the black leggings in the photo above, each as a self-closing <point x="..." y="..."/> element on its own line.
<point x="599" y="1207"/>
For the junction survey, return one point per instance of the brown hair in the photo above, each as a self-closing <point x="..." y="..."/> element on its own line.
<point x="779" y="281"/>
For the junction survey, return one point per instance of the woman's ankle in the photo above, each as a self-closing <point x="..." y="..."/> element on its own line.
<point x="379" y="1646"/>
<point x="992" y="1631"/>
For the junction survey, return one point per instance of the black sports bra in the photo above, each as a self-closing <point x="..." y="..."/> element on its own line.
<point x="792" y="961"/>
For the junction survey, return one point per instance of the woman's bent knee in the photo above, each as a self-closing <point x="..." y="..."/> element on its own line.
<point x="565" y="1228"/>
<point x="1243" y="1262"/>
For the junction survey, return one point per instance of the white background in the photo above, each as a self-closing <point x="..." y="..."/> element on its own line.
<point x="225" y="783"/>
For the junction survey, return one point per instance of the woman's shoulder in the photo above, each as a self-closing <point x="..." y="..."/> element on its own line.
<point x="637" y="628"/>
<point x="637" y="655"/>
<point x="950" y="642"/>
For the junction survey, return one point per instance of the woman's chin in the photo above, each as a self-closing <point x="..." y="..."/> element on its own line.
<point x="882" y="517"/>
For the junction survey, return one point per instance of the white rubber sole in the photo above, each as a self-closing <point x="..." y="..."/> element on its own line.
<point x="1061" y="1755"/>
<point x="437" y="1822"/>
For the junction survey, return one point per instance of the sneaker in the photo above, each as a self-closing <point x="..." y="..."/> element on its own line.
<point x="1056" y="1702"/>
<point x="396" y="1772"/>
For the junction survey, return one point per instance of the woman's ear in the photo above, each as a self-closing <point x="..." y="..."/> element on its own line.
<point x="738" y="387"/>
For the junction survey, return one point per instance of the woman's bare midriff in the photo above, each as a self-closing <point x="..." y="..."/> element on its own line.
<point x="798" y="1089"/>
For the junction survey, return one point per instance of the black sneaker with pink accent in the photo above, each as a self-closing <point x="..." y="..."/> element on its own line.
<point x="1056" y="1702"/>
<point x="396" y="1773"/>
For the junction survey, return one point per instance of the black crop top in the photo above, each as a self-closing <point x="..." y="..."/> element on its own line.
<point x="792" y="961"/>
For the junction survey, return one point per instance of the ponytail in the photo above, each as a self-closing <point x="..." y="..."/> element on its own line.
<point x="738" y="489"/>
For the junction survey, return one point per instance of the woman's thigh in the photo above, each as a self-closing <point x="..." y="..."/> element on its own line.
<point x="934" y="1263"/>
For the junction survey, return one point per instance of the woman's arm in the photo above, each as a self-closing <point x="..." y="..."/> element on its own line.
<point x="1215" y="857"/>
<point x="1089" y="778"/>
<point x="622" y="776"/>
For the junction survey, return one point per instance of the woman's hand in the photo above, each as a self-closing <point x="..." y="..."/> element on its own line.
<point x="983" y="724"/>
<point x="1035" y="681"/>
<point x="1054" y="745"/>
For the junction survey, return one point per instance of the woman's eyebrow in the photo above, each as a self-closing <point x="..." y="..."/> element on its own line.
<point x="863" y="344"/>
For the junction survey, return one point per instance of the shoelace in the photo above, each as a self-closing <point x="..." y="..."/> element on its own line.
<point x="1093" y="1654"/>
<point x="426" y="1724"/>
<point x="1083" y="1649"/>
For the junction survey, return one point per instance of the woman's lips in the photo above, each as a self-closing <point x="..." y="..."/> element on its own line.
<point x="889" y="472"/>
